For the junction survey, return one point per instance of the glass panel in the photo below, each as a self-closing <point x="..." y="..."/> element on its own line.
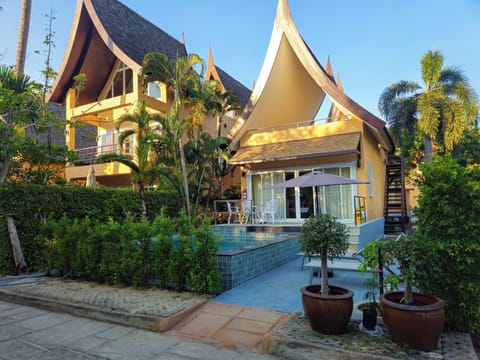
<point x="128" y="81"/>
<point x="117" y="85"/>
<point x="306" y="199"/>
<point x="154" y="90"/>
<point x="290" y="198"/>
<point x="279" y="194"/>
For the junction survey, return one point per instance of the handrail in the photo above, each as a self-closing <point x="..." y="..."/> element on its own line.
<point x="91" y="154"/>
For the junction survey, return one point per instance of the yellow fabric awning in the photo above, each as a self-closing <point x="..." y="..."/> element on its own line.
<point x="298" y="149"/>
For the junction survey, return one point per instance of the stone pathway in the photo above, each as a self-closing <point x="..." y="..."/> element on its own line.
<point x="193" y="318"/>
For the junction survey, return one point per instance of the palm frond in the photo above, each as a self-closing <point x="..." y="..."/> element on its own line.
<point x="432" y="64"/>
<point x="123" y="159"/>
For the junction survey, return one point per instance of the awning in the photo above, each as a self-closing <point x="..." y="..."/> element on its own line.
<point x="298" y="149"/>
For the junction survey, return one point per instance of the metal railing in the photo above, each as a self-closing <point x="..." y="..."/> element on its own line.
<point x="90" y="155"/>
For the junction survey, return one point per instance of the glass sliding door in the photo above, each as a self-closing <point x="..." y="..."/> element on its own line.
<point x="295" y="204"/>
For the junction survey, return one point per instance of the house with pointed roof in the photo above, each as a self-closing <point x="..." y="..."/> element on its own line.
<point x="107" y="43"/>
<point x="277" y="138"/>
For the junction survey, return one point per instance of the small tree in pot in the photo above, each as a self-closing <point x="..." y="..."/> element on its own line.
<point x="326" y="237"/>
<point x="412" y="318"/>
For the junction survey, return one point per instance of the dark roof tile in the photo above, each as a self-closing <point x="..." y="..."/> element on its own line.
<point x="135" y="35"/>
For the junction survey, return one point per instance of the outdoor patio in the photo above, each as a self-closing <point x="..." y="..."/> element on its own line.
<point x="279" y="289"/>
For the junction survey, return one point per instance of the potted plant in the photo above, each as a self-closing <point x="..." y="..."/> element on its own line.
<point x="369" y="308"/>
<point x="328" y="308"/>
<point x="411" y="318"/>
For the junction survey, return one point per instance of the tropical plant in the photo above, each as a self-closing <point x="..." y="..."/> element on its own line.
<point x="18" y="105"/>
<point x="400" y="252"/>
<point x="449" y="230"/>
<point x="141" y="160"/>
<point x="324" y="235"/>
<point x="202" y="152"/>
<point x="439" y="112"/>
<point x="202" y="155"/>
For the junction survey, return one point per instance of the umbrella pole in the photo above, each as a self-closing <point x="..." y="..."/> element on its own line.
<point x="317" y="201"/>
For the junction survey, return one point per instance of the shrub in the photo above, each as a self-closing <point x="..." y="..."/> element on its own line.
<point x="133" y="252"/>
<point x="30" y="204"/>
<point x="181" y="265"/>
<point x="449" y="231"/>
<point x="204" y="276"/>
<point x="163" y="228"/>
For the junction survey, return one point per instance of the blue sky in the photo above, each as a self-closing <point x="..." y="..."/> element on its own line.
<point x="372" y="43"/>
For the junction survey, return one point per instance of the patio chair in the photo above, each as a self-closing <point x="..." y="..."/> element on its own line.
<point x="270" y="209"/>
<point x="232" y="210"/>
<point x="247" y="210"/>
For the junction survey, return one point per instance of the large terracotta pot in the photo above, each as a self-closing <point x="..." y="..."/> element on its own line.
<point x="419" y="325"/>
<point x="327" y="314"/>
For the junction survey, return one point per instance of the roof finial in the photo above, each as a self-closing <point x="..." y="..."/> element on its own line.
<point x="339" y="82"/>
<point x="329" y="69"/>
<point x="183" y="38"/>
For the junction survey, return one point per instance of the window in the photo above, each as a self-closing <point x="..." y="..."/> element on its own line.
<point x="122" y="82"/>
<point x="154" y="90"/>
<point x="300" y="203"/>
<point x="157" y="90"/>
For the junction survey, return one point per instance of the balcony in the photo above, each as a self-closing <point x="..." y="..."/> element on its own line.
<point x="90" y="155"/>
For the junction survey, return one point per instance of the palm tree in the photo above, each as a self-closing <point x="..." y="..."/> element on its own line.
<point x="440" y="111"/>
<point x="179" y="75"/>
<point x="203" y="154"/>
<point x="141" y="160"/>
<point x="23" y="36"/>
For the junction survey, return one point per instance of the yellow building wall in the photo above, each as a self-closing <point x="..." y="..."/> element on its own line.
<point x="371" y="155"/>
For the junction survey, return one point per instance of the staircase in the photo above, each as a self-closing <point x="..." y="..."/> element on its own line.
<point x="395" y="209"/>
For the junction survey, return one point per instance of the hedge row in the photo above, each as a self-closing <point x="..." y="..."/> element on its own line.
<point x="30" y="204"/>
<point x="171" y="252"/>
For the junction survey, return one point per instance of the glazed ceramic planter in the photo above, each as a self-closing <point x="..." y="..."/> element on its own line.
<point x="419" y="325"/>
<point x="327" y="314"/>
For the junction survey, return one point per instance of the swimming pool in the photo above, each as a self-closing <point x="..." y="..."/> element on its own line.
<point x="244" y="254"/>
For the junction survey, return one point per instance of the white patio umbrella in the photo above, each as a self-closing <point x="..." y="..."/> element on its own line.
<point x="317" y="178"/>
<point x="91" y="180"/>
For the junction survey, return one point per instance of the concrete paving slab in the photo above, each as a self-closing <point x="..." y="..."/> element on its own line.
<point x="204" y="325"/>
<point x="237" y="339"/>
<point x="19" y="349"/>
<point x="32" y="312"/>
<point x="69" y="332"/>
<point x="202" y="351"/>
<point x="114" y="332"/>
<point x="45" y="320"/>
<point x="87" y="343"/>
<point x="12" y="331"/>
<point x="250" y="326"/>
<point x="137" y="345"/>
<point x="64" y="353"/>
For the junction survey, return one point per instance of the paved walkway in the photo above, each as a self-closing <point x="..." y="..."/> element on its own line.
<point x="244" y="320"/>
<point x="30" y="333"/>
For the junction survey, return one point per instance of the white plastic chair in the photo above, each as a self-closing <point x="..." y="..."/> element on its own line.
<point x="247" y="210"/>
<point x="232" y="210"/>
<point x="270" y="208"/>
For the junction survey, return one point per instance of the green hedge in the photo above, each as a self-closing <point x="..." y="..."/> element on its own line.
<point x="29" y="204"/>
<point x="448" y="228"/>
<point x="133" y="252"/>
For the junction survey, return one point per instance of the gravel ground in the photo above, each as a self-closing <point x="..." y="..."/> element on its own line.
<point x="151" y="301"/>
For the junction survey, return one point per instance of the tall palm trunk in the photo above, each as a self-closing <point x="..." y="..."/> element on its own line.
<point x="23" y="36"/>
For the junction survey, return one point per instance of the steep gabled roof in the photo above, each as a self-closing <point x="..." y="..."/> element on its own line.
<point x="227" y="82"/>
<point x="292" y="85"/>
<point x="102" y="31"/>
